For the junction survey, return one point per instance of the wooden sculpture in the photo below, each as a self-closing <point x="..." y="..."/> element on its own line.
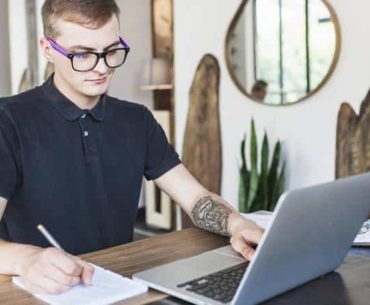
<point x="353" y="140"/>
<point x="202" y="140"/>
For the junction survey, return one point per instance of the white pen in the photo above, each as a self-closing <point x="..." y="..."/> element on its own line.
<point x="49" y="237"/>
<point x="52" y="241"/>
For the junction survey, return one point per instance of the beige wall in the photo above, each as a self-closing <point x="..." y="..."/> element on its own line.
<point x="308" y="129"/>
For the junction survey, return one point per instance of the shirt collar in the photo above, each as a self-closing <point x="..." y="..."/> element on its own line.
<point x="67" y="108"/>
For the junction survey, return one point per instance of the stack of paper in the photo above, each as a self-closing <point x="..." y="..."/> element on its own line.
<point x="107" y="287"/>
<point x="363" y="238"/>
<point x="263" y="219"/>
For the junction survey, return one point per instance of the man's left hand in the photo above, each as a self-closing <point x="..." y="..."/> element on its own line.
<point x="245" y="235"/>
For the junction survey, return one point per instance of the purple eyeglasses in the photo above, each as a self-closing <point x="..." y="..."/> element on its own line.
<point x="87" y="60"/>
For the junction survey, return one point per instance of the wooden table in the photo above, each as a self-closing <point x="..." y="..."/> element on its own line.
<point x="130" y="258"/>
<point x="349" y="285"/>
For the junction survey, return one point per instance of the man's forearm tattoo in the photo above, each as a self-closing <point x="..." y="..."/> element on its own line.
<point x="211" y="215"/>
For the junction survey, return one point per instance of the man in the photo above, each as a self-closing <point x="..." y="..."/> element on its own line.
<point x="72" y="158"/>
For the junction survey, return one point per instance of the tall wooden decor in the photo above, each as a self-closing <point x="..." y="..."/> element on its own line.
<point x="162" y="47"/>
<point x="158" y="207"/>
<point x="159" y="210"/>
<point x="202" y="141"/>
<point x="202" y="154"/>
<point x="353" y="140"/>
<point x="162" y="26"/>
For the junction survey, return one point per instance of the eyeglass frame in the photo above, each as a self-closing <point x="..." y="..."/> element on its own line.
<point x="57" y="47"/>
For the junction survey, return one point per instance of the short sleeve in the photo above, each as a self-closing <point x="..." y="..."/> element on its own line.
<point x="160" y="155"/>
<point x="9" y="150"/>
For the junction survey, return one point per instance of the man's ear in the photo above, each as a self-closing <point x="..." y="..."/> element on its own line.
<point x="46" y="49"/>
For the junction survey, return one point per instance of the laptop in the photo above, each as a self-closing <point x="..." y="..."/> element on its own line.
<point x="311" y="232"/>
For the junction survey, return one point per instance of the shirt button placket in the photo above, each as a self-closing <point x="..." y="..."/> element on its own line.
<point x="82" y="122"/>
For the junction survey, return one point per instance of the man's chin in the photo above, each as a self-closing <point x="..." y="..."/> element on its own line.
<point x="95" y="91"/>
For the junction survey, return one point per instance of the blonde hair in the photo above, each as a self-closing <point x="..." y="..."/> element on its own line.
<point x="89" y="13"/>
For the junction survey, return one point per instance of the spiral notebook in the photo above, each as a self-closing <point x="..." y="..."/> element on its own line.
<point x="107" y="287"/>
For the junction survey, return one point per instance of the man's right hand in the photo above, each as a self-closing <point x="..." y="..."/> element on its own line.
<point x="53" y="271"/>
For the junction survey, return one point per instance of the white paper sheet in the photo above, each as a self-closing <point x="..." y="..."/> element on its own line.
<point x="362" y="239"/>
<point x="107" y="287"/>
<point x="263" y="219"/>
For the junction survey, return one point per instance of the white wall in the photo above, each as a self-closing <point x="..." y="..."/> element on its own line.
<point x="307" y="129"/>
<point x="5" y="88"/>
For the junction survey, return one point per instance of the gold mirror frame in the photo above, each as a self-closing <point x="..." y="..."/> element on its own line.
<point x="338" y="43"/>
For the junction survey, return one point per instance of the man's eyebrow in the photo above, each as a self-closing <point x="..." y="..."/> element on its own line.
<point x="116" y="43"/>
<point x="81" y="47"/>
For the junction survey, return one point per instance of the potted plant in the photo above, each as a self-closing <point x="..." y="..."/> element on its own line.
<point x="260" y="186"/>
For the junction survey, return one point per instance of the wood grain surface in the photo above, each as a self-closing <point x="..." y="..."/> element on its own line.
<point x="130" y="258"/>
<point x="353" y="140"/>
<point x="202" y="140"/>
<point x="348" y="285"/>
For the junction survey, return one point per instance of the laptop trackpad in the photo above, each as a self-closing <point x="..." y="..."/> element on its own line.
<point x="212" y="261"/>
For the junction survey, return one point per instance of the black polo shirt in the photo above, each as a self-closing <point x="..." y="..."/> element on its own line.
<point x="78" y="172"/>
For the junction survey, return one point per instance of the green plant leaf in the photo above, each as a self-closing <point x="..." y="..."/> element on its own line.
<point x="253" y="147"/>
<point x="281" y="184"/>
<point x="279" y="187"/>
<point x="273" y="175"/>
<point x="242" y="191"/>
<point x="253" y="178"/>
<point x="264" y="173"/>
<point x="242" y="152"/>
<point x="260" y="191"/>
<point x="244" y="179"/>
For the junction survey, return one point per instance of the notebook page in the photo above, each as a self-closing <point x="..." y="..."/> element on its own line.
<point x="107" y="287"/>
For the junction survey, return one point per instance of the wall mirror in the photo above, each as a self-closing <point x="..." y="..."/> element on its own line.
<point x="279" y="52"/>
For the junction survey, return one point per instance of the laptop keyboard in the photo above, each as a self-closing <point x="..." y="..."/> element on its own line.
<point x="220" y="286"/>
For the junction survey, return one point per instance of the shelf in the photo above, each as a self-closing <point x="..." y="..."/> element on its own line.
<point x="143" y="230"/>
<point x="157" y="87"/>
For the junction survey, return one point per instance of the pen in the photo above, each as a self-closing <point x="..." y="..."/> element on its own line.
<point x="49" y="237"/>
<point x="53" y="242"/>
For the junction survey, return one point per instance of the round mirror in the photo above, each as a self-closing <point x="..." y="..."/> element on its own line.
<point x="280" y="52"/>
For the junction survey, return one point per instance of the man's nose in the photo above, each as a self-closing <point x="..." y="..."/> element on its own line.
<point x="101" y="67"/>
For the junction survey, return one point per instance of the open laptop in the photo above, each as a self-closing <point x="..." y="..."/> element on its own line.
<point x="311" y="232"/>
